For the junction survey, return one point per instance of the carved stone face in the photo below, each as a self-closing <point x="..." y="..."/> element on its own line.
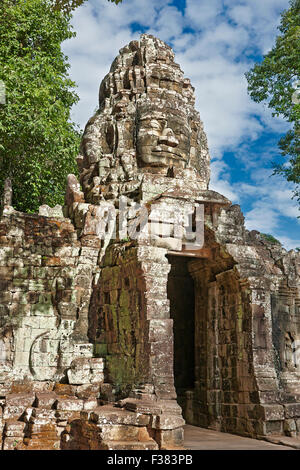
<point x="162" y="142"/>
<point x="146" y="123"/>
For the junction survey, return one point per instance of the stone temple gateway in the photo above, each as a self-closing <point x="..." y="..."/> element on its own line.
<point x="113" y="334"/>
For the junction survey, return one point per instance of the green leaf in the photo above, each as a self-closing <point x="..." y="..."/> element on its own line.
<point x="37" y="136"/>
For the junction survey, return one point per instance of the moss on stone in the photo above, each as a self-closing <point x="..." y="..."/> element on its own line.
<point x="269" y="238"/>
<point x="100" y="350"/>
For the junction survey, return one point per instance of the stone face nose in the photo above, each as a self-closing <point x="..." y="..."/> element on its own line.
<point x="168" y="138"/>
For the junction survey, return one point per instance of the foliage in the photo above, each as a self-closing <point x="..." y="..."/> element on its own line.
<point x="70" y="5"/>
<point x="269" y="238"/>
<point x="38" y="143"/>
<point x="274" y="80"/>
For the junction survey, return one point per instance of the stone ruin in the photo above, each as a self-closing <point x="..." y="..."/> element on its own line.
<point x="113" y="334"/>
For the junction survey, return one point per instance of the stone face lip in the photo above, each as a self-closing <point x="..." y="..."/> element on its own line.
<point x="146" y="122"/>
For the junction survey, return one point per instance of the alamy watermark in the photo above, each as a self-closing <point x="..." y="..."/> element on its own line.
<point x="2" y="93"/>
<point x="296" y="352"/>
<point x="184" y="224"/>
<point x="296" y="94"/>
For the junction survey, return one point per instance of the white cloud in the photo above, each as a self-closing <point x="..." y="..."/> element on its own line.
<point x="263" y="217"/>
<point x="204" y="13"/>
<point x="212" y="57"/>
<point x="243" y="15"/>
<point x="168" y="25"/>
<point x="220" y="181"/>
<point x="260" y="17"/>
<point x="224" y="105"/>
<point x="272" y="205"/>
<point x="288" y="243"/>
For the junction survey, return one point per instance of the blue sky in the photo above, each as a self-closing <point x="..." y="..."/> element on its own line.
<point x="215" y="42"/>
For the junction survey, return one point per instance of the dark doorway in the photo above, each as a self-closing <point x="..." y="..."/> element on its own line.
<point x="182" y="311"/>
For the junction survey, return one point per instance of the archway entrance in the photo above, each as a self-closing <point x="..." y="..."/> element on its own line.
<point x="182" y="311"/>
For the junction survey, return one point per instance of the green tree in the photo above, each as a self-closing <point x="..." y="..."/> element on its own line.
<point x="274" y="81"/>
<point x="38" y="142"/>
<point x="70" y="5"/>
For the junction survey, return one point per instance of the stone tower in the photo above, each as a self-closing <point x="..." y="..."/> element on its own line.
<point x="146" y="124"/>
<point x="144" y="301"/>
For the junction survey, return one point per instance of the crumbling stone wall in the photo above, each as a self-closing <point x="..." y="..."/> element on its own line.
<point x="129" y="318"/>
<point x="118" y="324"/>
<point x="269" y="269"/>
<point x="46" y="278"/>
<point x="286" y="334"/>
<point x="41" y="296"/>
<point x="224" y="394"/>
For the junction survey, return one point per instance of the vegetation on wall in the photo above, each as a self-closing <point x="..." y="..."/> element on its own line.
<point x="70" y="5"/>
<point x="269" y="238"/>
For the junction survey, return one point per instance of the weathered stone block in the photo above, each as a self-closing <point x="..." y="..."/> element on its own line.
<point x="90" y="404"/>
<point x="64" y="389"/>
<point x="167" y="421"/>
<point x="69" y="404"/>
<point x="290" y="428"/>
<point x="45" y="400"/>
<point x="11" y="443"/>
<point x="292" y="410"/>
<point x="160" y="330"/>
<point x="42" y="416"/>
<point x="67" y="415"/>
<point x="14" y="428"/>
<point x="86" y="391"/>
<point x="169" y="439"/>
<point x="20" y="399"/>
<point x="272" y="412"/>
<point x="86" y="370"/>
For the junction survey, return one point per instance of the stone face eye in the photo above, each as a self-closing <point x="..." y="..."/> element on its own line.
<point x="168" y="132"/>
